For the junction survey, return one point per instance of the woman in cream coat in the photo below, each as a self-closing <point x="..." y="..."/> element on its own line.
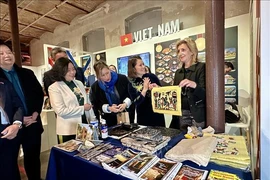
<point x="69" y="100"/>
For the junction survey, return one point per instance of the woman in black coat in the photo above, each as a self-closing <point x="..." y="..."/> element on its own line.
<point x="191" y="77"/>
<point x="137" y="75"/>
<point x="110" y="93"/>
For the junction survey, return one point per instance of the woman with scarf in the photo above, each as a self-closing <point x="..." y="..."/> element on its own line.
<point x="110" y="93"/>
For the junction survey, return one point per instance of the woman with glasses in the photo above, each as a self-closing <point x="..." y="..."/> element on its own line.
<point x="191" y="78"/>
<point x="69" y="100"/>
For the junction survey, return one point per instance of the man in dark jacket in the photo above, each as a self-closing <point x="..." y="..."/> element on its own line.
<point x="11" y="116"/>
<point x="48" y="79"/>
<point x="31" y="95"/>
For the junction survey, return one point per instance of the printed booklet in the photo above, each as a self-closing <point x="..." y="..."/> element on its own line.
<point x="138" y="165"/>
<point x="114" y="164"/>
<point x="188" y="172"/>
<point x="160" y="170"/>
<point x="221" y="175"/>
<point x="69" y="146"/>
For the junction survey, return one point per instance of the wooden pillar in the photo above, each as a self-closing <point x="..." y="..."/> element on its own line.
<point x="214" y="34"/>
<point x="13" y="15"/>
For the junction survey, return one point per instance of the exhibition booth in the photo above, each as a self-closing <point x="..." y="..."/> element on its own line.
<point x="159" y="53"/>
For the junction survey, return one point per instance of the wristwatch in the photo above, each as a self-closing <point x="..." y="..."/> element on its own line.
<point x="18" y="124"/>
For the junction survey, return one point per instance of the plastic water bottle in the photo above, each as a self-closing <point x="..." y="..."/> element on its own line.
<point x="103" y="129"/>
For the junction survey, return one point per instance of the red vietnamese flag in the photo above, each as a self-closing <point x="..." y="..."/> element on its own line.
<point x="126" y="39"/>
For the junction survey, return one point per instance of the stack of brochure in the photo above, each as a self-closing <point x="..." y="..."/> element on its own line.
<point x="90" y="153"/>
<point x="160" y="170"/>
<point x="148" y="140"/>
<point x="138" y="165"/>
<point x="144" y="145"/>
<point x="114" y="164"/>
<point x="188" y="172"/>
<point x="69" y="146"/>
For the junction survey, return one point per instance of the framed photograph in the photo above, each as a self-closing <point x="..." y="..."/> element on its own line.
<point x="167" y="100"/>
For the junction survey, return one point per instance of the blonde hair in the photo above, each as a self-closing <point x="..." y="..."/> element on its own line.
<point x="191" y="46"/>
<point x="98" y="66"/>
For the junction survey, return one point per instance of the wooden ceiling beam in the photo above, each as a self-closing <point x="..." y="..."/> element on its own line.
<point x="54" y="19"/>
<point x="62" y="3"/>
<point x="9" y="32"/>
<point x="4" y="1"/>
<point x="32" y="26"/>
<point x="77" y="7"/>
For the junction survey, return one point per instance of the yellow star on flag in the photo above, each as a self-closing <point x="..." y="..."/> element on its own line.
<point x="126" y="39"/>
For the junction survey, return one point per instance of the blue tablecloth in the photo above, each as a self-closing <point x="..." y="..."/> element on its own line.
<point x="64" y="166"/>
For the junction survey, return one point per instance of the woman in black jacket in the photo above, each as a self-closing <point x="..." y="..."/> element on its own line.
<point x="110" y="93"/>
<point x="191" y="77"/>
<point x="145" y="114"/>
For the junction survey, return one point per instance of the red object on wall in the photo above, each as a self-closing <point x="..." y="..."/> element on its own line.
<point x="126" y="39"/>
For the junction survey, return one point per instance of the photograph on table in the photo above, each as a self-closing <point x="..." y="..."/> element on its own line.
<point x="160" y="170"/>
<point x="83" y="132"/>
<point x="69" y="146"/>
<point x="188" y="172"/>
<point x="167" y="100"/>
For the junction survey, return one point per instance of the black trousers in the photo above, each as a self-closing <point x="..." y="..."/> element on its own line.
<point x="31" y="144"/>
<point x="182" y="122"/>
<point x="9" y="150"/>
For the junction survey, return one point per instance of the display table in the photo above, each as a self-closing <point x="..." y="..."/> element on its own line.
<point x="64" y="166"/>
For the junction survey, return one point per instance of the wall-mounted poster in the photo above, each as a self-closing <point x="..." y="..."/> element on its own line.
<point x="50" y="60"/>
<point x="122" y="62"/>
<point x="166" y="61"/>
<point x="230" y="55"/>
<point x="100" y="57"/>
<point x="167" y="100"/>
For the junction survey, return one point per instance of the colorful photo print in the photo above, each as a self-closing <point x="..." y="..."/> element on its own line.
<point x="201" y="56"/>
<point x="230" y="53"/>
<point x="167" y="100"/>
<point x="230" y="90"/>
<point x="84" y="132"/>
<point x="166" y="61"/>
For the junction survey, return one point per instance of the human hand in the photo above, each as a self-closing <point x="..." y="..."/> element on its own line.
<point x="87" y="106"/>
<point x="28" y="120"/>
<point x="187" y="83"/>
<point x="146" y="83"/>
<point x="34" y="115"/>
<point x="10" y="132"/>
<point x="122" y="107"/>
<point x="114" y="108"/>
<point x="152" y="85"/>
